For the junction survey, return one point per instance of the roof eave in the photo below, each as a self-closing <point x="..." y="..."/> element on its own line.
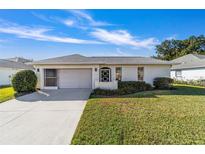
<point x="102" y="64"/>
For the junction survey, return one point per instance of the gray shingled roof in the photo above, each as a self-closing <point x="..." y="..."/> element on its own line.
<point x="20" y="59"/>
<point x="186" y="58"/>
<point x="79" y="59"/>
<point x="15" y="65"/>
<point x="190" y="65"/>
<point x="199" y="56"/>
<point x="189" y="61"/>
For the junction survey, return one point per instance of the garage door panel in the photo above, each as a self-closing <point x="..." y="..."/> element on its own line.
<point x="75" y="78"/>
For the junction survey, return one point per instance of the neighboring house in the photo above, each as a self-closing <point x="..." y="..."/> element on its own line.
<point x="77" y="71"/>
<point x="20" y="59"/>
<point x="190" y="67"/>
<point x="8" y="67"/>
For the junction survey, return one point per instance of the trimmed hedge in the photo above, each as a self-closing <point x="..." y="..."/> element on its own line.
<point x="5" y="86"/>
<point x="162" y="82"/>
<point x="191" y="82"/>
<point x="104" y="92"/>
<point x="128" y="87"/>
<point x="124" y="87"/>
<point x="24" y="81"/>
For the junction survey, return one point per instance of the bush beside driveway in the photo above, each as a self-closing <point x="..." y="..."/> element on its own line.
<point x="152" y="117"/>
<point x="23" y="82"/>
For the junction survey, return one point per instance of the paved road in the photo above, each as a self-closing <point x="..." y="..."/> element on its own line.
<point x="48" y="117"/>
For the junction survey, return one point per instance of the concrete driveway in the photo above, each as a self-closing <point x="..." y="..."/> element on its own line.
<point x="47" y="117"/>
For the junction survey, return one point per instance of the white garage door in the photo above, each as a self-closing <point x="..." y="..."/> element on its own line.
<point x="75" y="78"/>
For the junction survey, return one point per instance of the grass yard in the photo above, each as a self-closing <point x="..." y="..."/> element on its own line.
<point x="6" y="94"/>
<point x="153" y="117"/>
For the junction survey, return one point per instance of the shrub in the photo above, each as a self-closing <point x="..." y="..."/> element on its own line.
<point x="5" y="86"/>
<point x="124" y="87"/>
<point x="24" y="81"/>
<point x="199" y="82"/>
<point x="162" y="82"/>
<point x="148" y="86"/>
<point x="128" y="87"/>
<point x="105" y="92"/>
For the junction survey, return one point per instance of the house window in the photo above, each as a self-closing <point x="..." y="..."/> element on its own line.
<point x="50" y="77"/>
<point x="140" y="73"/>
<point x="178" y="73"/>
<point x="105" y="74"/>
<point x="118" y="73"/>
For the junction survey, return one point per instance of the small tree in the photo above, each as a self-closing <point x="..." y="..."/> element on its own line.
<point x="24" y="81"/>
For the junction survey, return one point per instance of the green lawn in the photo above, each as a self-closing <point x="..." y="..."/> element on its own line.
<point x="154" y="117"/>
<point x="6" y="94"/>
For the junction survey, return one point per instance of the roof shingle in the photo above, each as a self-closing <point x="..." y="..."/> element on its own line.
<point x="15" y="65"/>
<point x="189" y="61"/>
<point x="79" y="59"/>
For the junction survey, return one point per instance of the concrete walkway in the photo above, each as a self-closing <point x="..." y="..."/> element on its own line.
<point x="48" y="117"/>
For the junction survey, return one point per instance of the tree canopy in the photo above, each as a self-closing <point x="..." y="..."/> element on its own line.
<point x="171" y="49"/>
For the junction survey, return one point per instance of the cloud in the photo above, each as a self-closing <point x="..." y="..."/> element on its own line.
<point x="78" y="19"/>
<point x="42" y="17"/>
<point x="73" y="23"/>
<point x="69" y="22"/>
<point x="40" y="34"/>
<point x="122" y="37"/>
<point x="1" y="40"/>
<point x="83" y="20"/>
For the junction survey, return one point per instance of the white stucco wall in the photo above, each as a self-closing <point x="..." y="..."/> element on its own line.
<point x="95" y="76"/>
<point x="129" y="73"/>
<point x="6" y="75"/>
<point x="106" y="85"/>
<point x="190" y="74"/>
<point x="172" y="74"/>
<point x="153" y="71"/>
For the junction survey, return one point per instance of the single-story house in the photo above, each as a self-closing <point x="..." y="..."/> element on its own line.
<point x="9" y="67"/>
<point x="77" y="71"/>
<point x="190" y="67"/>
